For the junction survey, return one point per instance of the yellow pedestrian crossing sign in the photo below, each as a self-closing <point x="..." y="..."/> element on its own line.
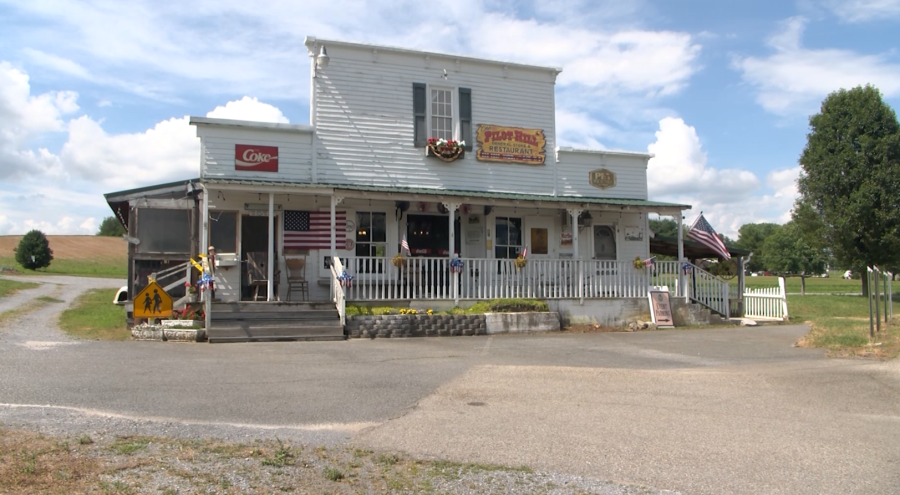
<point x="152" y="302"/>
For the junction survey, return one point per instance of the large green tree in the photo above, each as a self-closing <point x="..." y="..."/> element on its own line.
<point x="788" y="252"/>
<point x="851" y="177"/>
<point x="111" y="226"/>
<point x="34" y="251"/>
<point x="752" y="236"/>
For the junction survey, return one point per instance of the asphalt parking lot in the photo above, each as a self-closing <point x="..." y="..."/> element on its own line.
<point x="735" y="410"/>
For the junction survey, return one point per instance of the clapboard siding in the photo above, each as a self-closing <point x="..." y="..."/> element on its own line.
<point x="574" y="168"/>
<point x="364" y="122"/>
<point x="294" y="152"/>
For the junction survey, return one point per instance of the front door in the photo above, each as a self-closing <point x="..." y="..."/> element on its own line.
<point x="255" y="239"/>
<point x="604" y="243"/>
<point x="537" y="238"/>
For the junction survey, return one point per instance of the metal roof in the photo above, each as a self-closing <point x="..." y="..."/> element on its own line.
<point x="503" y="196"/>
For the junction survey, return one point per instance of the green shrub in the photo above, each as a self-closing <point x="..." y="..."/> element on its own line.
<point x="34" y="251"/>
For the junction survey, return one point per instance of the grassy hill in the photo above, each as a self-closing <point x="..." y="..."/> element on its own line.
<point x="87" y="255"/>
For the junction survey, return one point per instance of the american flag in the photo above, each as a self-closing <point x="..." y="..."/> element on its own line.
<point x="404" y="245"/>
<point x="312" y="229"/>
<point x="702" y="232"/>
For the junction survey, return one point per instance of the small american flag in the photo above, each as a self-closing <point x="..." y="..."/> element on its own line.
<point x="404" y="245"/>
<point x="312" y="229"/>
<point x="524" y="252"/>
<point x="702" y="232"/>
<point x="650" y="262"/>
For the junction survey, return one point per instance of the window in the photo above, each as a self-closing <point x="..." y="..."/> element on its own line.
<point x="164" y="231"/>
<point x="371" y="240"/>
<point x="441" y="114"/>
<point x="434" y="114"/>
<point x="223" y="231"/>
<point x="509" y="238"/>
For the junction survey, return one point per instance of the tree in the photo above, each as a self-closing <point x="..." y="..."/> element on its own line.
<point x="34" y="251"/>
<point x="665" y="227"/>
<point x="788" y="252"/>
<point x="851" y="177"/>
<point x="110" y="226"/>
<point x="752" y="236"/>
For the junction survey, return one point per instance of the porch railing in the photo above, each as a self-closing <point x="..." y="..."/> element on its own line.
<point x="769" y="302"/>
<point x="182" y="274"/>
<point x="378" y="279"/>
<point x="708" y="290"/>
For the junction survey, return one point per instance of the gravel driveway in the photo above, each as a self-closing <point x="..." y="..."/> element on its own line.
<point x="712" y="411"/>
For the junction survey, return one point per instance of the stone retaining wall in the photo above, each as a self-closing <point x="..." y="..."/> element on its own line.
<point x="415" y="326"/>
<point x="166" y="332"/>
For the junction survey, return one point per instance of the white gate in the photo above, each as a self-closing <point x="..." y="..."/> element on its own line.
<point x="766" y="303"/>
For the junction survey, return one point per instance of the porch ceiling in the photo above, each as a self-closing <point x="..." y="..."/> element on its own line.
<point x="692" y="250"/>
<point x="477" y="197"/>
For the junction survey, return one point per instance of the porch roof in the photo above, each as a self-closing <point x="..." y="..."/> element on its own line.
<point x="492" y="198"/>
<point x="692" y="249"/>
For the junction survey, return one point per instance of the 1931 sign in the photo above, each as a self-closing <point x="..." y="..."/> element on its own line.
<point x="510" y="144"/>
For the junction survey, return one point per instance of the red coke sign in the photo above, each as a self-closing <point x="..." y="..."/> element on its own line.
<point x="255" y="158"/>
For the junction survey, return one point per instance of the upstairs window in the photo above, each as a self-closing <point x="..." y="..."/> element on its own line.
<point x="442" y="114"/>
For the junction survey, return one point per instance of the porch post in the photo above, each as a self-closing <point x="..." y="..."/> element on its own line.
<point x="574" y="213"/>
<point x="452" y="207"/>
<point x="204" y="244"/>
<point x="333" y="226"/>
<point x="681" y="287"/>
<point x="271" y="272"/>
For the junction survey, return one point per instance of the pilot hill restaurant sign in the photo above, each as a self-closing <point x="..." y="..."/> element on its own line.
<point x="510" y="144"/>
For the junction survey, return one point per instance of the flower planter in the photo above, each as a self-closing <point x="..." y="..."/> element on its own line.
<point x="443" y="150"/>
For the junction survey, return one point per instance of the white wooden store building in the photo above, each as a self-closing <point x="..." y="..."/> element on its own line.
<point x="342" y="193"/>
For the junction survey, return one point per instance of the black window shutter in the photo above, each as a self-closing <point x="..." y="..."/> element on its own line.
<point x="420" y="140"/>
<point x="465" y="117"/>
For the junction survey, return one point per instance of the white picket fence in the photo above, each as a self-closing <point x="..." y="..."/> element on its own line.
<point x="770" y="303"/>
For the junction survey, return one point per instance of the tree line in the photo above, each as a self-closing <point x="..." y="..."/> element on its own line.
<point x="848" y="214"/>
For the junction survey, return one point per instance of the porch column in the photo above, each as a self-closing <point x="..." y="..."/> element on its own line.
<point x="681" y="287"/>
<point x="271" y="273"/>
<point x="452" y="207"/>
<point x="204" y="244"/>
<point x="335" y="200"/>
<point x="575" y="213"/>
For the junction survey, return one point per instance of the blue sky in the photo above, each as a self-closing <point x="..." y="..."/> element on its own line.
<point x="94" y="94"/>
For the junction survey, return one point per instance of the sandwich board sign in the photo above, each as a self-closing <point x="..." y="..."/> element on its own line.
<point x="660" y="309"/>
<point x="152" y="302"/>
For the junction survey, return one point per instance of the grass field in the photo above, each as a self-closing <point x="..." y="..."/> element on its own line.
<point x="841" y="325"/>
<point x="93" y="317"/>
<point x="10" y="287"/>
<point x="831" y="285"/>
<point x="82" y="255"/>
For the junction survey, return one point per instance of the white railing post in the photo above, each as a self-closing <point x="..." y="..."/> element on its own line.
<point x="784" y="306"/>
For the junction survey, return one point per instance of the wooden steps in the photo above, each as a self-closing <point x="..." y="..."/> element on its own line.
<point x="272" y="321"/>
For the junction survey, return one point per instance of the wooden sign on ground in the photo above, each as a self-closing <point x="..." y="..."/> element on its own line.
<point x="660" y="309"/>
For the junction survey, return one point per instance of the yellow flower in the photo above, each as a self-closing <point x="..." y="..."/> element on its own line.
<point x="430" y="312"/>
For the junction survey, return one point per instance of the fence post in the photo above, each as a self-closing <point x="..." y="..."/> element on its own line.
<point x="784" y="305"/>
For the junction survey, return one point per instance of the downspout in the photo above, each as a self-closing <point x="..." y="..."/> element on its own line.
<point x="204" y="243"/>
<point x="270" y="286"/>
<point x="312" y="117"/>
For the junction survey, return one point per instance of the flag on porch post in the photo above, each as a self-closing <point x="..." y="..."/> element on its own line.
<point x="702" y="232"/>
<point x="404" y="245"/>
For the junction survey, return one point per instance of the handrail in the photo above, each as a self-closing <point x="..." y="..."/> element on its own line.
<point x="171" y="272"/>
<point x="339" y="298"/>
<point x="709" y="290"/>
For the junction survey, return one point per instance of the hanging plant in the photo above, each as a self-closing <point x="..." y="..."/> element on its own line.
<point x="521" y="262"/>
<point x="444" y="149"/>
<point x="639" y="263"/>
<point x="398" y="260"/>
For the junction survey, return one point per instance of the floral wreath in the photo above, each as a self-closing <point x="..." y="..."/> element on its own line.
<point x="446" y="150"/>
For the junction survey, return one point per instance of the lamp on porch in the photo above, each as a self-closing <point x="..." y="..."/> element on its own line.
<point x="585" y="219"/>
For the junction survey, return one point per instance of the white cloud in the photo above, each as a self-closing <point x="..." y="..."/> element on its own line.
<point x="248" y="108"/>
<point x="795" y="79"/>
<point x="679" y="167"/>
<point x="631" y="61"/>
<point x="63" y="193"/>
<point x="864" y="10"/>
